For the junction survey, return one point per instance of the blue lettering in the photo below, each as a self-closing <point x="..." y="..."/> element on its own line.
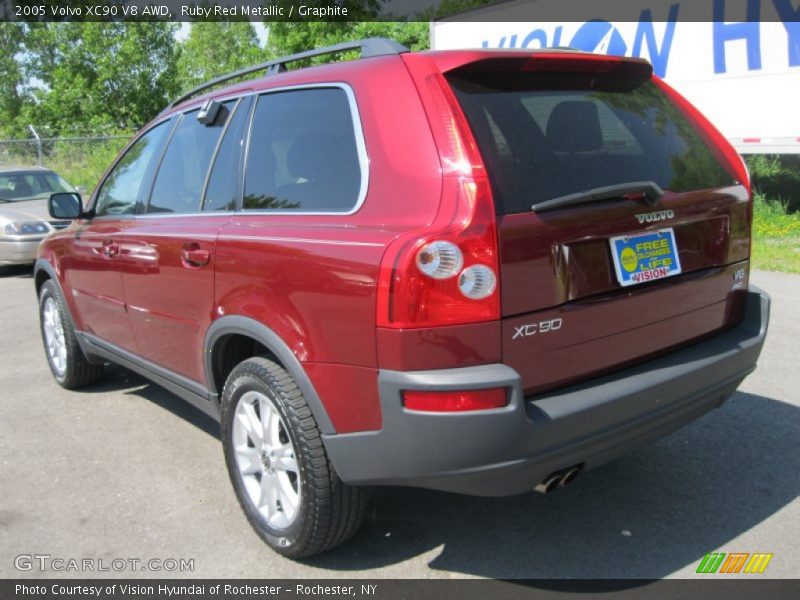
<point x="599" y="36"/>
<point x="557" y="36"/>
<point x="645" y="32"/>
<point x="537" y="35"/>
<point x="727" y="32"/>
<point x="790" y="18"/>
<point x="502" y="44"/>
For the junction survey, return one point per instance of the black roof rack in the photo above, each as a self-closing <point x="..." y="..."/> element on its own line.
<point x="369" y="47"/>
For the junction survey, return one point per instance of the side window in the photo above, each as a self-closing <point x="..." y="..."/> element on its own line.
<point x="303" y="154"/>
<point x="183" y="169"/>
<point x="223" y="182"/>
<point x="120" y="190"/>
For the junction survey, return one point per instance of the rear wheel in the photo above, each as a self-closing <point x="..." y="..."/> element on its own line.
<point x="68" y="364"/>
<point x="280" y="472"/>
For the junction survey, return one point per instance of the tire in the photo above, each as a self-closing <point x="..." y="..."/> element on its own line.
<point x="69" y="365"/>
<point x="322" y="512"/>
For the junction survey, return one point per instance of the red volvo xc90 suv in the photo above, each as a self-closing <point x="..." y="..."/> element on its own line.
<point x="473" y="271"/>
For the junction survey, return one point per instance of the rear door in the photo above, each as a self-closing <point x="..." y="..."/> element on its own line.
<point x="592" y="282"/>
<point x="168" y="255"/>
<point x="92" y="270"/>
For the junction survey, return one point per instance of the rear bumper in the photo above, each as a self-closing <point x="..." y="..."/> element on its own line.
<point x="509" y="450"/>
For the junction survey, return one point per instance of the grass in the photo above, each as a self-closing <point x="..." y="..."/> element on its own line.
<point x="83" y="163"/>
<point x="776" y="236"/>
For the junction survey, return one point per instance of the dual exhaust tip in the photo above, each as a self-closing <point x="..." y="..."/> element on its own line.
<point x="558" y="479"/>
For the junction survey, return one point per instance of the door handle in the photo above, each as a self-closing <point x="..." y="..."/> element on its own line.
<point x="110" y="248"/>
<point x="192" y="255"/>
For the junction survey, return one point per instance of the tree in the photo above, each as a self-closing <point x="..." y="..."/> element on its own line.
<point x="73" y="77"/>
<point x="450" y="7"/>
<point x="290" y="37"/>
<point x="216" y="48"/>
<point x="98" y="76"/>
<point x="11" y="78"/>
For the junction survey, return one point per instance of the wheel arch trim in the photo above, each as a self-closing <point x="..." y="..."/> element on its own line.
<point x="240" y="325"/>
<point x="43" y="265"/>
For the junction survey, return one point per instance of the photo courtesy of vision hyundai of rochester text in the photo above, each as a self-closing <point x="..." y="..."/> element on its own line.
<point x="476" y="271"/>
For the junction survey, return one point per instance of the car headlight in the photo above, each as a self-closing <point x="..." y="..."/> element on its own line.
<point x="27" y="228"/>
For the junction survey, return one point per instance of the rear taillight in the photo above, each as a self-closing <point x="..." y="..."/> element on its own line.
<point x="440" y="259"/>
<point x="455" y="401"/>
<point x="448" y="273"/>
<point x="722" y="149"/>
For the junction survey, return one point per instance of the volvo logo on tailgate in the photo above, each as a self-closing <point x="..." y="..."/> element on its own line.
<point x="655" y="217"/>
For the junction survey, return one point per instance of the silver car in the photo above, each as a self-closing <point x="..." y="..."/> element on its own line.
<point x="24" y="220"/>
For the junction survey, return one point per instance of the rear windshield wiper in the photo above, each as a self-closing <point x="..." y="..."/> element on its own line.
<point x="649" y="189"/>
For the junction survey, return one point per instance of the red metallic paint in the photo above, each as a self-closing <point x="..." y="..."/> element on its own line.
<point x="611" y="330"/>
<point x="93" y="278"/>
<point x="170" y="302"/>
<point x="313" y="286"/>
<point x="554" y="257"/>
<point x="313" y="280"/>
<point x="439" y="347"/>
<point x="351" y="395"/>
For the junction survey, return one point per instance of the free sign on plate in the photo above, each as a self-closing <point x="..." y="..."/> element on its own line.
<point x="645" y="256"/>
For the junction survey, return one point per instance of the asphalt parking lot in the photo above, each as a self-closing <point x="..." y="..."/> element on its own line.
<point x="127" y="470"/>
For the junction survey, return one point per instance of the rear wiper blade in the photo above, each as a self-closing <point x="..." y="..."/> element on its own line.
<point x="649" y="189"/>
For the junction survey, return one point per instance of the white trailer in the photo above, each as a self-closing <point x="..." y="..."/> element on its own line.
<point x="738" y="61"/>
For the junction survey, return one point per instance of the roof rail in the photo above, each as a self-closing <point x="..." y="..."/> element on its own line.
<point x="369" y="47"/>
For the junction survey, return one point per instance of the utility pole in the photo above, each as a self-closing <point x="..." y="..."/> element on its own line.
<point x="38" y="145"/>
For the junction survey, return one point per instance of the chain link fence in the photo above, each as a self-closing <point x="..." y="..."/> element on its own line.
<point x="79" y="160"/>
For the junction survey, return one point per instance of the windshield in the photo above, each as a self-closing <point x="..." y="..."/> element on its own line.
<point x="30" y="185"/>
<point x="543" y="137"/>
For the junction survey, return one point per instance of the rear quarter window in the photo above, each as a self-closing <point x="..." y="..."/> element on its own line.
<point x="542" y="140"/>
<point x="303" y="154"/>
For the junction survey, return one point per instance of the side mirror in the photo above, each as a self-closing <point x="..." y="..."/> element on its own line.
<point x="65" y="205"/>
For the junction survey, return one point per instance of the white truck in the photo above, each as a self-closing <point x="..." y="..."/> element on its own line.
<point x="738" y="61"/>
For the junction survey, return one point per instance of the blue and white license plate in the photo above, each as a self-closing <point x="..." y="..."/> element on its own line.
<point x="643" y="257"/>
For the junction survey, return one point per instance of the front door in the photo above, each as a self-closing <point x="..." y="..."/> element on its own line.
<point x="93" y="276"/>
<point x="92" y="272"/>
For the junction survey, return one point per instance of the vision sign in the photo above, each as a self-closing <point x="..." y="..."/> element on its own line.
<point x="737" y="60"/>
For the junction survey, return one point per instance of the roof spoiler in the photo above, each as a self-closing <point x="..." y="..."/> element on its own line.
<point x="615" y="71"/>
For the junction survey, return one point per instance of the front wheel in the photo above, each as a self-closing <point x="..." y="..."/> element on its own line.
<point x="69" y="366"/>
<point x="277" y="463"/>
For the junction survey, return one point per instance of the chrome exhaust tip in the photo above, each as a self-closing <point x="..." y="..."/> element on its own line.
<point x="569" y="476"/>
<point x="548" y="484"/>
<point x="560" y="478"/>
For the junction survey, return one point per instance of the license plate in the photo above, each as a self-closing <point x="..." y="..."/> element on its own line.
<point x="643" y="257"/>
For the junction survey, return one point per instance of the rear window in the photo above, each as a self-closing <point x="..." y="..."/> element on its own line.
<point x="542" y="139"/>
